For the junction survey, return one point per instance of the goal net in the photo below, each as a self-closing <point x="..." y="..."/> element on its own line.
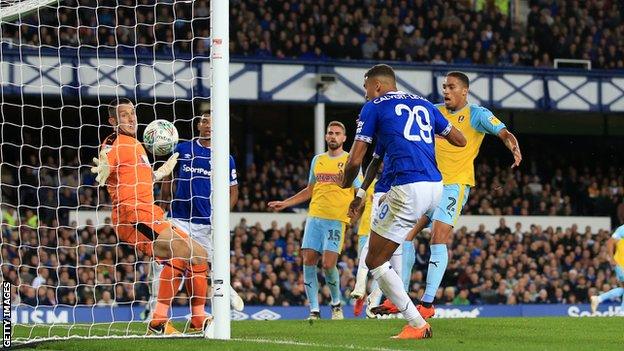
<point x="62" y="62"/>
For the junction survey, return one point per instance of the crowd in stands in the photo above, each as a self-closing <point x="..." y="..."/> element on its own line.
<point x="55" y="262"/>
<point x="48" y="190"/>
<point x="511" y="265"/>
<point x="437" y="32"/>
<point x="428" y="31"/>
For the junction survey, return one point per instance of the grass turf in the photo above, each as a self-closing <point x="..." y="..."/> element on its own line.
<point x="501" y="334"/>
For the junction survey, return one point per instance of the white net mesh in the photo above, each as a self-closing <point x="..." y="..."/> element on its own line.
<point x="61" y="63"/>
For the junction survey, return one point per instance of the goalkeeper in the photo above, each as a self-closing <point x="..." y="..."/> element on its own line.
<point x="125" y="169"/>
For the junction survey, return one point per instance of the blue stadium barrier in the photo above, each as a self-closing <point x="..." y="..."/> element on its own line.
<point x="88" y="73"/>
<point x="84" y="314"/>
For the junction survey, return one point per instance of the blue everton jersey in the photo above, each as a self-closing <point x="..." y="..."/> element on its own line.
<point x="384" y="182"/>
<point x="404" y="125"/>
<point x="191" y="200"/>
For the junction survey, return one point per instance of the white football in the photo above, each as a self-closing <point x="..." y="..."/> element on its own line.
<point x="160" y="137"/>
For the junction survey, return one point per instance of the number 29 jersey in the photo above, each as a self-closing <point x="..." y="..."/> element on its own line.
<point x="404" y="126"/>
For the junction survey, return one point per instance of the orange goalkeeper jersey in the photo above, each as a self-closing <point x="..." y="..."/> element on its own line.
<point x="130" y="182"/>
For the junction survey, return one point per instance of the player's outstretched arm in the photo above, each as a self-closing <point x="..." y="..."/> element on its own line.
<point x="351" y="170"/>
<point x="355" y="207"/>
<point x="455" y="137"/>
<point x="512" y="144"/>
<point x="233" y="195"/>
<point x="166" y="189"/>
<point x="304" y="195"/>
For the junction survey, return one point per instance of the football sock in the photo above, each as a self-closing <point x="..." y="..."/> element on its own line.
<point x="611" y="294"/>
<point x="362" y="271"/>
<point x="392" y="287"/>
<point x="310" y="280"/>
<point x="409" y="257"/>
<point x="197" y="291"/>
<point x="170" y="280"/>
<point x="437" y="267"/>
<point x="332" y="278"/>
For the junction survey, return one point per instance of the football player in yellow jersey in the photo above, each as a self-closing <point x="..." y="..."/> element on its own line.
<point x="457" y="167"/>
<point x="615" y="252"/>
<point x="327" y="218"/>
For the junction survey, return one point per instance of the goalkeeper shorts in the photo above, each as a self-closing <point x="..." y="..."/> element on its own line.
<point x="141" y="225"/>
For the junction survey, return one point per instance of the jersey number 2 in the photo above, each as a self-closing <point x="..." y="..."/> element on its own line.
<point x="424" y="123"/>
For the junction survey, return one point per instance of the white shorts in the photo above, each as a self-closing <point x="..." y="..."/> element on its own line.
<point x="374" y="209"/>
<point x="403" y="207"/>
<point x="202" y="233"/>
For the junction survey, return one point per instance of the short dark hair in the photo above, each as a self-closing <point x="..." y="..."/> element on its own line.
<point x="112" y="106"/>
<point x="381" y="70"/>
<point x="461" y="76"/>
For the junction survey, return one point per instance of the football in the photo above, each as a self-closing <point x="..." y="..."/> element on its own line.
<point x="160" y="137"/>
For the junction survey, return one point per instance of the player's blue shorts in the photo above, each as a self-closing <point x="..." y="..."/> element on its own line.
<point x="323" y="235"/>
<point x="453" y="199"/>
<point x="619" y="273"/>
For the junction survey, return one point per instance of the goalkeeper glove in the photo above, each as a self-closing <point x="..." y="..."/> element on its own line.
<point x="167" y="168"/>
<point x="101" y="168"/>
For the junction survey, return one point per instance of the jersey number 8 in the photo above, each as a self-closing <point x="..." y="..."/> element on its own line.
<point x="424" y="123"/>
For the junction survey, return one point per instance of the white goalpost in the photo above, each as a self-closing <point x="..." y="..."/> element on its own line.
<point x="61" y="63"/>
<point x="219" y="66"/>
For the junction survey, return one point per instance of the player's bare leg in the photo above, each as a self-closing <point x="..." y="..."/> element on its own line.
<point x="310" y="280"/>
<point x="422" y="223"/>
<point x="332" y="278"/>
<point x="440" y="236"/>
<point x="379" y="253"/>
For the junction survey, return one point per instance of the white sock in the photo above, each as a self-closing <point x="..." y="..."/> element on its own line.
<point x="360" y="281"/>
<point x="396" y="261"/>
<point x="374" y="298"/>
<point x="362" y="273"/>
<point x="392" y="286"/>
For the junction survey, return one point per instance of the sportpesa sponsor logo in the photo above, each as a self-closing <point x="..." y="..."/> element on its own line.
<point x="441" y="313"/>
<point x="196" y="170"/>
<point x="457" y="313"/>
<point x="575" y="311"/>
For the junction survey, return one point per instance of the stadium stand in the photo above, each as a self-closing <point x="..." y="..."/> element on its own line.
<point x="508" y="266"/>
<point x="428" y="31"/>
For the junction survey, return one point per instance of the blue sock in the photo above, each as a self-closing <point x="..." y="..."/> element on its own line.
<point x="310" y="280"/>
<point x="332" y="278"/>
<point x="409" y="257"/>
<point x="437" y="267"/>
<point x="611" y="294"/>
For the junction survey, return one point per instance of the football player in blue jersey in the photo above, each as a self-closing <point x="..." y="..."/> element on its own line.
<point x="404" y="125"/>
<point x="190" y="207"/>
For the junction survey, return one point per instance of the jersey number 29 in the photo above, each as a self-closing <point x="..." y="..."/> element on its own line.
<point x="424" y="123"/>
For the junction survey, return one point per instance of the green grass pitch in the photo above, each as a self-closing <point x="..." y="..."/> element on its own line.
<point x="501" y="334"/>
